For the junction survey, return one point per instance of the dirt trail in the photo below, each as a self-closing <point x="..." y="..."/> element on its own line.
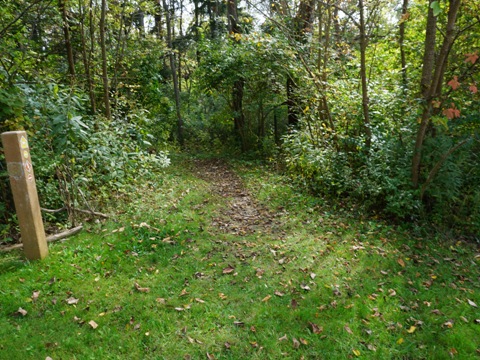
<point x="242" y="215"/>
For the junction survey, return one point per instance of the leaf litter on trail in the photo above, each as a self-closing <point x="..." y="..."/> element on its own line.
<point x="72" y="301"/>
<point x="141" y="289"/>
<point x="228" y="270"/>
<point x="471" y="303"/>
<point x="316" y="329"/>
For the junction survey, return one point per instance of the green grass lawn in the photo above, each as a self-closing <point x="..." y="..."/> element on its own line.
<point x="162" y="280"/>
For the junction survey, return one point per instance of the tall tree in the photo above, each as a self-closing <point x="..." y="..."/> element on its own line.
<point x="302" y="25"/>
<point x="239" y="84"/>
<point x="68" y="44"/>
<point x="173" y="68"/>
<point x="86" y="58"/>
<point x="433" y="72"/>
<point x="363" y="74"/>
<point x="106" y="87"/>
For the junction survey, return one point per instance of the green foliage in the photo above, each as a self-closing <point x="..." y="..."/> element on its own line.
<point x="82" y="160"/>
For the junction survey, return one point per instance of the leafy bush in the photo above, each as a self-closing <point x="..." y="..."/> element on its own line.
<point x="78" y="157"/>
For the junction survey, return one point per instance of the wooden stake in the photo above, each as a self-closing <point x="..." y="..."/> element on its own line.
<point x="24" y="189"/>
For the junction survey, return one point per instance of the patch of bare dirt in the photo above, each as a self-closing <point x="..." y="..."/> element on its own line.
<point x="243" y="215"/>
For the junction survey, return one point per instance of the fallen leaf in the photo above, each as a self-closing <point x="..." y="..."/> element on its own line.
<point x="305" y="287"/>
<point x="35" y="295"/>
<point x="72" y="301"/>
<point x="222" y="296"/>
<point x="283" y="338"/>
<point x="266" y="298"/>
<point x="436" y="312"/>
<point x="161" y="301"/>
<point x="210" y="356"/>
<point x="356" y="352"/>
<point x="448" y="324"/>
<point x="184" y="292"/>
<point x="312" y="275"/>
<point x="21" y="311"/>
<point x="371" y="347"/>
<point x="227" y="345"/>
<point x="48" y="358"/>
<point x="315" y="328"/>
<point x="293" y="304"/>
<point x="348" y="330"/>
<point x="392" y="292"/>
<point x="278" y="293"/>
<point x="179" y="309"/>
<point x="471" y="303"/>
<point x="199" y="300"/>
<point x="400" y="341"/>
<point x="401" y="262"/>
<point x="303" y="341"/>
<point x="93" y="324"/>
<point x="453" y="352"/>
<point x="239" y="323"/>
<point x="411" y="330"/>
<point x="296" y="343"/>
<point x="141" y="289"/>
<point x="473" y="89"/>
<point x="228" y="270"/>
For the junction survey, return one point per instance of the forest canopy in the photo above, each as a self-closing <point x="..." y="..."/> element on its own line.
<point x="368" y="102"/>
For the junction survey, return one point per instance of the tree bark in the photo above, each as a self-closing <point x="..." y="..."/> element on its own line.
<point x="86" y="62"/>
<point x="401" y="40"/>
<point x="302" y="25"/>
<point x="432" y="78"/>
<point x="106" y="88"/>
<point x="363" y="76"/>
<point x="68" y="44"/>
<point x="239" y="84"/>
<point x="174" y="74"/>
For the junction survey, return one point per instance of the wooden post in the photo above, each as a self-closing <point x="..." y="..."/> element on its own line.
<point x="24" y="189"/>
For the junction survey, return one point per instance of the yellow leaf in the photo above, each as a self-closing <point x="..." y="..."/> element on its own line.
<point x="400" y="341"/>
<point x="266" y="298"/>
<point x="306" y="109"/>
<point x="356" y="352"/>
<point x="412" y="329"/>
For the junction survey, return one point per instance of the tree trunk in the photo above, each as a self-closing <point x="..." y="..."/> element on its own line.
<point x="239" y="84"/>
<point x="174" y="74"/>
<point x="432" y="78"/>
<point x="86" y="62"/>
<point x="68" y="44"/>
<point x="401" y="40"/>
<point x="302" y="25"/>
<point x="106" y="88"/>
<point x="363" y="76"/>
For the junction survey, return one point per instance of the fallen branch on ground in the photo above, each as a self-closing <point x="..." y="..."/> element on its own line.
<point x="91" y="212"/>
<point x="55" y="237"/>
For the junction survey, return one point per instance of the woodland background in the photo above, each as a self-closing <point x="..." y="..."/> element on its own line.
<point x="371" y="104"/>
